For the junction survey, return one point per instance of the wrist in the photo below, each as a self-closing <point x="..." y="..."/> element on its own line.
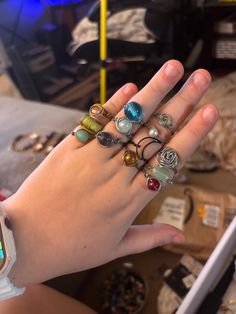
<point x="25" y="270"/>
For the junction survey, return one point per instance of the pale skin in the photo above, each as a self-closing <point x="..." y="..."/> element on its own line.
<point x="75" y="211"/>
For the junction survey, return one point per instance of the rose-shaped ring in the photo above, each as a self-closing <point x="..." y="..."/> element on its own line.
<point x="168" y="157"/>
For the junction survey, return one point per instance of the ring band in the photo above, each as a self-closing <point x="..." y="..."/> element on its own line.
<point x="165" y="120"/>
<point x="140" y="151"/>
<point x="98" y="110"/>
<point x="107" y="140"/>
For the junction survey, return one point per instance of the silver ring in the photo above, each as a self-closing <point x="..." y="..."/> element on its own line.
<point x="165" y="120"/>
<point x="169" y="158"/>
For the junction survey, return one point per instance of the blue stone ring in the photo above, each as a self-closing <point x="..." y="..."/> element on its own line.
<point x="133" y="116"/>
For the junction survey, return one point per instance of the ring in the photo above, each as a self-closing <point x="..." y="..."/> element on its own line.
<point x="98" y="110"/>
<point x="165" y="120"/>
<point x="141" y="151"/>
<point x="168" y="157"/>
<point x="152" y="183"/>
<point x="107" y="140"/>
<point x="130" y="158"/>
<point x="91" y="124"/>
<point x="27" y="141"/>
<point x="160" y="173"/>
<point x="83" y="135"/>
<point x="133" y="115"/>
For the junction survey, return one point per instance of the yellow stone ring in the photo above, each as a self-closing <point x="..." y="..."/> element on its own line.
<point x="130" y="158"/>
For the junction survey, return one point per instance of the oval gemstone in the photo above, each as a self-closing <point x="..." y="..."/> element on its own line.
<point x="83" y="136"/>
<point x="124" y="126"/>
<point x="105" y="139"/>
<point x="153" y="184"/>
<point x="133" y="111"/>
<point x="130" y="158"/>
<point x="161" y="174"/>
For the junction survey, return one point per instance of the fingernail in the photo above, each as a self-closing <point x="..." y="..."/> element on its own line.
<point x="178" y="239"/>
<point x="209" y="114"/>
<point x="171" y="71"/>
<point x="128" y="90"/>
<point x="200" y="80"/>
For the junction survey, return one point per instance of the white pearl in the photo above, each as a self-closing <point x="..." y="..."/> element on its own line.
<point x="153" y="132"/>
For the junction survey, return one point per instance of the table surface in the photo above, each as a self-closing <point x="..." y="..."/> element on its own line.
<point x="18" y="116"/>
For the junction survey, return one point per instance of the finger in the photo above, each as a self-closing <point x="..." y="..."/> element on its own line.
<point x="113" y="106"/>
<point x="178" y="108"/>
<point x="149" y="98"/>
<point x="184" y="143"/>
<point x="140" y="238"/>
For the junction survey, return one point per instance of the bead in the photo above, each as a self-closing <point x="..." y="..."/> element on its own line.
<point x="161" y="174"/>
<point x="130" y="158"/>
<point x="124" y="125"/>
<point x="105" y="139"/>
<point x="91" y="124"/>
<point x="153" y="132"/>
<point x="153" y="184"/>
<point x="83" y="136"/>
<point x="133" y="111"/>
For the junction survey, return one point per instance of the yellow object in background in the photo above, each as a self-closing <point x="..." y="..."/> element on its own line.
<point x="103" y="51"/>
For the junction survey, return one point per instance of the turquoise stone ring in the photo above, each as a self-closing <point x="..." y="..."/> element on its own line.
<point x="133" y="111"/>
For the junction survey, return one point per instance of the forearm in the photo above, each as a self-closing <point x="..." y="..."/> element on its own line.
<point x="54" y="302"/>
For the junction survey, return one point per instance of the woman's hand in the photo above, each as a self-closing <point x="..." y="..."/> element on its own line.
<point x="75" y="211"/>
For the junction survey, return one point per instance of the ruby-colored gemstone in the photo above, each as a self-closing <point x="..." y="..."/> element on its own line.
<point x="153" y="184"/>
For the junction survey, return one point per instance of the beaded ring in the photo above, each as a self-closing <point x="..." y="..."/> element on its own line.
<point x="107" y="140"/>
<point x="133" y="115"/>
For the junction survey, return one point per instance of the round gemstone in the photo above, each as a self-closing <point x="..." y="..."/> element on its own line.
<point x="83" y="136"/>
<point x="124" y="126"/>
<point x="133" y="111"/>
<point x="161" y="174"/>
<point x="130" y="158"/>
<point x="105" y="139"/>
<point x="153" y="184"/>
<point x="153" y="132"/>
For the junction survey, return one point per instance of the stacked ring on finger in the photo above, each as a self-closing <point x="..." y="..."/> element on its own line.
<point x="165" y="170"/>
<point x="133" y="115"/>
<point x="87" y="130"/>
<point x="97" y="110"/>
<point x="165" y="120"/>
<point x="146" y="141"/>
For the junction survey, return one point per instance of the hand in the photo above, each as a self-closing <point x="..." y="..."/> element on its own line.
<point x="75" y="211"/>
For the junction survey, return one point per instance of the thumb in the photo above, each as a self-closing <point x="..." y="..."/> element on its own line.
<point x="140" y="238"/>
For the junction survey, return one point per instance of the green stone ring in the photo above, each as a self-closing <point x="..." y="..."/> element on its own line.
<point x="82" y="136"/>
<point x="161" y="173"/>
